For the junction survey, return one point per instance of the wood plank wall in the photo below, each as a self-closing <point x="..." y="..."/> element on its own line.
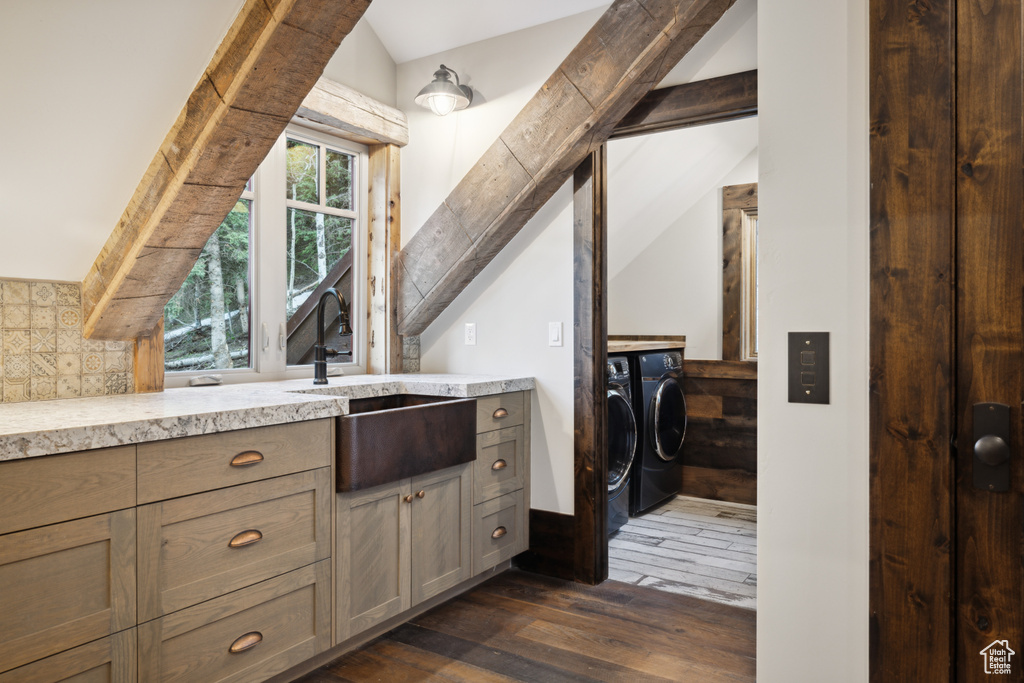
<point x="720" y="451"/>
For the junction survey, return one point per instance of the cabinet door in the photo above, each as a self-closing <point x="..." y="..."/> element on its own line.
<point x="442" y="508"/>
<point x="107" y="660"/>
<point x="372" y="556"/>
<point x="65" y="584"/>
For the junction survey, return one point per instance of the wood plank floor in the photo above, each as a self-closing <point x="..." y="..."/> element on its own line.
<point x="691" y="546"/>
<point x="525" y="627"/>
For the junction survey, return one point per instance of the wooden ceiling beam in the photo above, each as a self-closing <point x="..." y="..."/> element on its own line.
<point x="627" y="52"/>
<point x="714" y="100"/>
<point x="336" y="109"/>
<point x="269" y="60"/>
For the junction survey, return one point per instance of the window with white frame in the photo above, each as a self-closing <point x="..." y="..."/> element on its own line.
<point x="248" y="308"/>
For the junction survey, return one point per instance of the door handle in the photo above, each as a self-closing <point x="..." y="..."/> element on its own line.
<point x="991" y="464"/>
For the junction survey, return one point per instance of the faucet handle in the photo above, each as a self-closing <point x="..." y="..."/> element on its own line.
<point x="330" y="353"/>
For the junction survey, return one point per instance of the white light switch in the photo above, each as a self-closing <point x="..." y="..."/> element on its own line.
<point x="554" y="334"/>
<point x="470" y="334"/>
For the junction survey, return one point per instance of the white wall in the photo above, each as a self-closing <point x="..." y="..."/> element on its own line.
<point x="813" y="460"/>
<point x="90" y="90"/>
<point x="529" y="284"/>
<point x="363" y="64"/>
<point x="665" y="230"/>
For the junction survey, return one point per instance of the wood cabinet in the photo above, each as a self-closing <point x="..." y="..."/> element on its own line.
<point x="399" y="544"/>
<point x="107" y="660"/>
<point x="198" y="547"/>
<point x="65" y="584"/>
<point x="244" y="636"/>
<point x="501" y="498"/>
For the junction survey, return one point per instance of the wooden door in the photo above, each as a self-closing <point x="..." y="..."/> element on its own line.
<point x="372" y="557"/>
<point x="442" y="510"/>
<point x="989" y="581"/>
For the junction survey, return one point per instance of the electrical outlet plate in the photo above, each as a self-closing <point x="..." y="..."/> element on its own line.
<point x="470" y="334"/>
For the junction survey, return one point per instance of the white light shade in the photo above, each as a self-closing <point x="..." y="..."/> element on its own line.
<point x="442" y="96"/>
<point x="441" y="103"/>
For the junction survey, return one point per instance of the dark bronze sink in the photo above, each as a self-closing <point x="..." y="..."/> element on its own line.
<point x="387" y="438"/>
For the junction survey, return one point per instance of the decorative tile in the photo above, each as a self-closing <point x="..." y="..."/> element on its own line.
<point x="44" y="341"/>
<point x="92" y="345"/>
<point x="16" y="293"/>
<point x="69" y="386"/>
<point x="69" y="317"/>
<point x="69" y="364"/>
<point x="117" y="383"/>
<point x="43" y="293"/>
<point x="92" y="385"/>
<point x="92" y="363"/>
<point x="17" y="341"/>
<point x="129" y="365"/>
<point x="16" y="317"/>
<point x="68" y="294"/>
<point x="44" y="388"/>
<point x="114" y="361"/>
<point x="44" y="365"/>
<point x="17" y="390"/>
<point x="115" y="345"/>
<point x="69" y="341"/>
<point x="17" y="366"/>
<point x="44" y="318"/>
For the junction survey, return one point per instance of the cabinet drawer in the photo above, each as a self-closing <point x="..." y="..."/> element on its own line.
<point x="499" y="465"/>
<point x="179" y="467"/>
<point x="499" y="411"/>
<point x="57" y="488"/>
<point x="107" y="660"/>
<point x="249" y="635"/>
<point x="196" y="548"/>
<point x="499" y="530"/>
<point x="64" y="585"/>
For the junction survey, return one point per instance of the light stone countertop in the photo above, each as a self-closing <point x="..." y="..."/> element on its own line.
<point x="48" y="427"/>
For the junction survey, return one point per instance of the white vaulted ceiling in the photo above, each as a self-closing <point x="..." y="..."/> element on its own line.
<point x="411" y="29"/>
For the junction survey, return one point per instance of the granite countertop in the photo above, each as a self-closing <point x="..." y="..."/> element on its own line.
<point x="48" y="427"/>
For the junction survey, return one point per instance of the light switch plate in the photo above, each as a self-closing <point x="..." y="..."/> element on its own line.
<point x="808" y="367"/>
<point x="554" y="334"/>
<point x="470" y="334"/>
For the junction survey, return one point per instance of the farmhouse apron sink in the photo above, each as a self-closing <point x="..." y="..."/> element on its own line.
<point x="388" y="438"/>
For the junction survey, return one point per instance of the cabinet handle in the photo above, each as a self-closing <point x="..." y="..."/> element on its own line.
<point x="499" y="532"/>
<point x="420" y="494"/>
<point x="499" y="465"/>
<point x="246" y="458"/>
<point x="500" y="413"/>
<point x="408" y="499"/>
<point x="244" y="538"/>
<point x="246" y="641"/>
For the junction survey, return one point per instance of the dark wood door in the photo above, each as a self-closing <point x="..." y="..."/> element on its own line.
<point x="989" y="357"/>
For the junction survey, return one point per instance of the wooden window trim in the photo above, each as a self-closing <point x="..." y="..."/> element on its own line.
<point x="739" y="205"/>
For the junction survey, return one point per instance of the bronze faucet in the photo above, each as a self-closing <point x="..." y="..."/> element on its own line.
<point x="320" y="351"/>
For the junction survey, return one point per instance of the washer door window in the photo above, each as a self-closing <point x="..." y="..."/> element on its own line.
<point x="668" y="419"/>
<point x="621" y="439"/>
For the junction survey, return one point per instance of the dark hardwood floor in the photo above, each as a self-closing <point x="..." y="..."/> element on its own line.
<point x="524" y="627"/>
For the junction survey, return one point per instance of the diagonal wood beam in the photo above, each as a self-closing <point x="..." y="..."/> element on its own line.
<point x="627" y="52"/>
<point x="272" y="56"/>
<point x="714" y="100"/>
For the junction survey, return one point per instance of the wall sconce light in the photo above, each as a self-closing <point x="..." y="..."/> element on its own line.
<point x="442" y="96"/>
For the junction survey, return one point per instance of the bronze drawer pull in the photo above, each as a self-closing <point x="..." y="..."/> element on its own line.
<point x="420" y="494"/>
<point x="246" y="458"/>
<point x="499" y="465"/>
<point x="245" y="642"/>
<point x="500" y="413"/>
<point x="499" y="532"/>
<point x="244" y="538"/>
<point x="408" y="499"/>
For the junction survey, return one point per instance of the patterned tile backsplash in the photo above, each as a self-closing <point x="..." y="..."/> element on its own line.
<point x="42" y="353"/>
